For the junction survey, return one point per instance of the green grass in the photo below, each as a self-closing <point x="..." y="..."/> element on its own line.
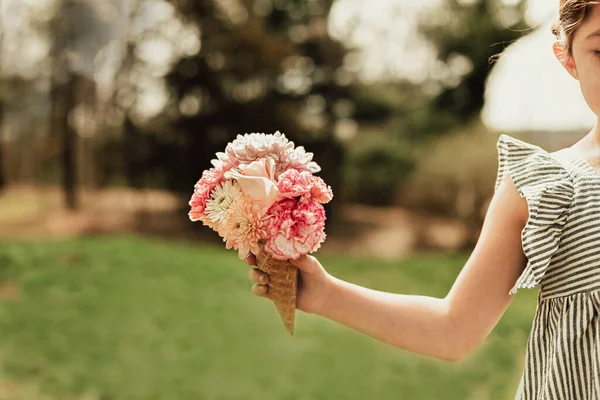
<point x="139" y="319"/>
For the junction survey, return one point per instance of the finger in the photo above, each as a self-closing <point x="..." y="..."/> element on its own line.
<point x="250" y="259"/>
<point x="258" y="276"/>
<point x="260" y="290"/>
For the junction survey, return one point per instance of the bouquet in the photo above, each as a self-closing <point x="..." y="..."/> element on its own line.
<point x="261" y="196"/>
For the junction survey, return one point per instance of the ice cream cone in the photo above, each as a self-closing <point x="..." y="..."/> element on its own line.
<point x="283" y="285"/>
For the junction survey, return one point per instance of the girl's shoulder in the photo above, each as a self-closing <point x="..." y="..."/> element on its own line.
<point x="532" y="167"/>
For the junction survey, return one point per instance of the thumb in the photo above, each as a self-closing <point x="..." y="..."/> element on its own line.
<point x="305" y="263"/>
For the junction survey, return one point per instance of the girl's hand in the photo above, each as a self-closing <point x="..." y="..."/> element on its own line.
<point x="314" y="283"/>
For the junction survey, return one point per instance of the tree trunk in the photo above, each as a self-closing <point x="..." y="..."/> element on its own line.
<point x="65" y="85"/>
<point x="63" y="102"/>
<point x="2" y="172"/>
<point x="69" y="146"/>
<point x="131" y="155"/>
<point x="2" y="178"/>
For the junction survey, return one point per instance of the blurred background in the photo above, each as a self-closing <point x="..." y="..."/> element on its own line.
<point x="111" y="109"/>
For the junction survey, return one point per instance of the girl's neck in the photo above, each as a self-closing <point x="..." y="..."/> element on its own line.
<point x="589" y="145"/>
<point x="594" y="136"/>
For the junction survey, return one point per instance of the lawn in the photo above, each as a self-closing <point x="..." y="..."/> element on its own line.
<point x="112" y="318"/>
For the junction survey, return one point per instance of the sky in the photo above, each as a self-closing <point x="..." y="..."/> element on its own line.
<point x="527" y="90"/>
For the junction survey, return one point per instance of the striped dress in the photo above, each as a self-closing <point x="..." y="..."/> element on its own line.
<point x="561" y="240"/>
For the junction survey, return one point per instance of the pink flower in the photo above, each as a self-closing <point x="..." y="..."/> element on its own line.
<point x="294" y="227"/>
<point x="320" y="191"/>
<point x="243" y="226"/>
<point x="293" y="183"/>
<point x="202" y="190"/>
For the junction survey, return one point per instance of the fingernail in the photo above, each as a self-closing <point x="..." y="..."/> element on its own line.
<point x="261" y="277"/>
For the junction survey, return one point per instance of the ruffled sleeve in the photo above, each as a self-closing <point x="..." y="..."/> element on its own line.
<point x="548" y="188"/>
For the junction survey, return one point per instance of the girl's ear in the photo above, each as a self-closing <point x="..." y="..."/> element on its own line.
<point x="565" y="59"/>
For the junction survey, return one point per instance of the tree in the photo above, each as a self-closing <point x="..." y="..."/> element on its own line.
<point x="467" y="36"/>
<point x="78" y="33"/>
<point x="262" y="67"/>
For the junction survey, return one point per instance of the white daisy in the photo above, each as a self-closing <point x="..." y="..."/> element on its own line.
<point x="221" y="198"/>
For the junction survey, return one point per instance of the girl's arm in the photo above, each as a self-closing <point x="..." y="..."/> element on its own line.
<point x="452" y="327"/>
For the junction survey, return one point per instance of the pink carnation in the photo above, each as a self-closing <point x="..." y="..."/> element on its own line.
<point x="210" y="179"/>
<point x="293" y="183"/>
<point x="294" y="227"/>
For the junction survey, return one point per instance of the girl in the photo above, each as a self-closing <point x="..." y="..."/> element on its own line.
<point x="542" y="228"/>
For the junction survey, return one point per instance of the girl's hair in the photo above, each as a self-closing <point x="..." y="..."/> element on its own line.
<point x="572" y="14"/>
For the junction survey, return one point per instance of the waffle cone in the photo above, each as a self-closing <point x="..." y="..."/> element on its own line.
<point x="283" y="286"/>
